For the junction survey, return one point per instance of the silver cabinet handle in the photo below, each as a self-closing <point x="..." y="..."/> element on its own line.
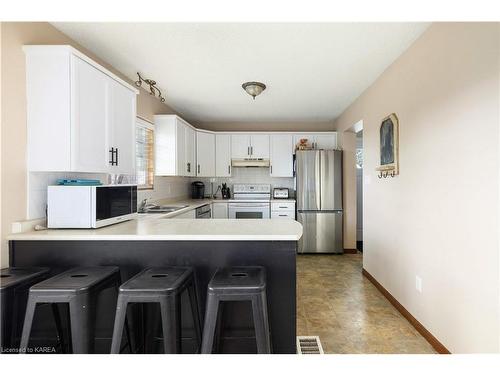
<point x="198" y="168"/>
<point x="189" y="167"/>
<point x="251" y="150"/>
<point x="282" y="215"/>
<point x="271" y="169"/>
<point x="229" y="169"/>
<point x="282" y="207"/>
<point x="248" y="150"/>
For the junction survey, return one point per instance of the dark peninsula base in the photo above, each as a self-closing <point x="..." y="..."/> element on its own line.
<point x="278" y="257"/>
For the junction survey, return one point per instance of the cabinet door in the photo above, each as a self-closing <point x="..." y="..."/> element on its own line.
<point x="90" y="144"/>
<point x="281" y="156"/>
<point x="205" y="154"/>
<point x="259" y="146"/>
<point x="122" y="127"/>
<point x="222" y="155"/>
<point x="180" y="149"/>
<point x="219" y="210"/>
<point x="190" y="150"/>
<point x="326" y="141"/>
<point x="240" y="146"/>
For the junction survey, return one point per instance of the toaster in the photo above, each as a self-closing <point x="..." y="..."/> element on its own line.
<point x="280" y="193"/>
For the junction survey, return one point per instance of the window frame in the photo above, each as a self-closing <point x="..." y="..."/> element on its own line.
<point x="145" y="124"/>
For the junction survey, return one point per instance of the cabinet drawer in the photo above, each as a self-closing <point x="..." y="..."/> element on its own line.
<point x="283" y="215"/>
<point x="286" y="205"/>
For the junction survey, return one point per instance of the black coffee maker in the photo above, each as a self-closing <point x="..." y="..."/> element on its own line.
<point x="197" y="190"/>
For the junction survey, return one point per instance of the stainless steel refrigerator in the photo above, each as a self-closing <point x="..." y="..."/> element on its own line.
<point x="318" y="179"/>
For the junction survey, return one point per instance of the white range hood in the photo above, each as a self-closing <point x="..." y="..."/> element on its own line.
<point x="250" y="162"/>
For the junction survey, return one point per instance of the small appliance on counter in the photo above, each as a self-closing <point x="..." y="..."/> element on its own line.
<point x="225" y="191"/>
<point x="90" y="206"/>
<point x="197" y="190"/>
<point x="281" y="193"/>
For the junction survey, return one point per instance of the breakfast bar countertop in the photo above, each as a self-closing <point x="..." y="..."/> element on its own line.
<point x="163" y="229"/>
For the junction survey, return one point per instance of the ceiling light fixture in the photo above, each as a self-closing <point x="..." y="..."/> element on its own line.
<point x="152" y="87"/>
<point x="253" y="88"/>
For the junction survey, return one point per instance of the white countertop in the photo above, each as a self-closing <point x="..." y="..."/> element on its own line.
<point x="164" y="229"/>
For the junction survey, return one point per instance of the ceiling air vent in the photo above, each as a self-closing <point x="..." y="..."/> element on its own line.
<point x="309" y="345"/>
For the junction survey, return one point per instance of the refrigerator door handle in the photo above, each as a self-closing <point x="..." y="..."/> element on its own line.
<point x="318" y="180"/>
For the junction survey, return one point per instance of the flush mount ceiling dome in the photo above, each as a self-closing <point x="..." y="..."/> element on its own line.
<point x="253" y="88"/>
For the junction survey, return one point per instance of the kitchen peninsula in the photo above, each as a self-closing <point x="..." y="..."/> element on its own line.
<point x="202" y="244"/>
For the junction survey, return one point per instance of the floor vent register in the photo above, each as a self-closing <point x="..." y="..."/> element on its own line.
<point x="309" y="345"/>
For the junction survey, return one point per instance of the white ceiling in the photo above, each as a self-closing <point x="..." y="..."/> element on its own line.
<point x="312" y="71"/>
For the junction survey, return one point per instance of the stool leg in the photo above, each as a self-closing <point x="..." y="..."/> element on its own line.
<point x="120" y="317"/>
<point x="57" y="320"/>
<point x="260" y="319"/>
<point x="171" y="324"/>
<point x="28" y="321"/>
<point x="82" y="314"/>
<point x="210" y="324"/>
<point x="6" y="315"/>
<point x="196" y="313"/>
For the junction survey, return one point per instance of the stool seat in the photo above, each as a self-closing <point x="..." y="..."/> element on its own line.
<point x="163" y="286"/>
<point x="75" y="281"/>
<point x="235" y="280"/>
<point x="79" y="288"/>
<point x="15" y="276"/>
<point x="14" y="284"/>
<point x="166" y="280"/>
<point x="233" y="284"/>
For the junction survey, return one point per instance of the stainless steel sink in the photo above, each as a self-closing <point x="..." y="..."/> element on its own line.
<point x="162" y="209"/>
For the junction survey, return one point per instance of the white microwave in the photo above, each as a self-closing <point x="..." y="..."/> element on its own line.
<point x="90" y="206"/>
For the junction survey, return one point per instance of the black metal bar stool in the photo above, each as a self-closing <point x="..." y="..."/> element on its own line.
<point x="14" y="285"/>
<point x="238" y="284"/>
<point x="164" y="286"/>
<point x="79" y="288"/>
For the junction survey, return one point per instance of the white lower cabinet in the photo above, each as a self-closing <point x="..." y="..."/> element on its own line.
<point x="219" y="210"/>
<point x="283" y="210"/>
<point x="191" y="214"/>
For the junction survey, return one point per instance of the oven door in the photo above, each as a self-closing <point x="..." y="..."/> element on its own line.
<point x="249" y="210"/>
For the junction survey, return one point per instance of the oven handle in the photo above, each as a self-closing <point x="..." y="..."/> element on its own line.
<point x="248" y="205"/>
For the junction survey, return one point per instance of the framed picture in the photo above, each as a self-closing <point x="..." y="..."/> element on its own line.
<point x="389" y="146"/>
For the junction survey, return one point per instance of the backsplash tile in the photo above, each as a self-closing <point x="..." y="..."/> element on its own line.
<point x="164" y="187"/>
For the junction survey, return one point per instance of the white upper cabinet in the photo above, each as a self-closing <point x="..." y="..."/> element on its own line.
<point x="318" y="141"/>
<point x="240" y="146"/>
<point x="77" y="113"/>
<point x="190" y="148"/>
<point x="281" y="158"/>
<point x="222" y="155"/>
<point x="250" y="146"/>
<point x="175" y="147"/>
<point x="259" y="146"/>
<point x="205" y="154"/>
<point x="122" y="112"/>
<point x="90" y="144"/>
<point x="325" y="141"/>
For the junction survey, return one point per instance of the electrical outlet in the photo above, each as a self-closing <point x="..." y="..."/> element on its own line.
<point x="418" y="284"/>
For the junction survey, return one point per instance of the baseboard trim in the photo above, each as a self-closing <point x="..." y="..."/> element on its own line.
<point x="440" y="348"/>
<point x="350" y="251"/>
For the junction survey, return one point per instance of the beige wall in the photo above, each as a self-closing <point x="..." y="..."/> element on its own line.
<point x="13" y="115"/>
<point x="439" y="218"/>
<point x="267" y="126"/>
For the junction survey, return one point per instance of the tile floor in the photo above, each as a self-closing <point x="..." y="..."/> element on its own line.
<point x="335" y="302"/>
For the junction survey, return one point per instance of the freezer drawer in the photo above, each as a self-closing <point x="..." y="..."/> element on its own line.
<point x="322" y="232"/>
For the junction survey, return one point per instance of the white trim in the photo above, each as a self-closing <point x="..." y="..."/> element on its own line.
<point x="142" y="122"/>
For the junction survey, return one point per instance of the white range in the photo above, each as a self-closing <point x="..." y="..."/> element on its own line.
<point x="253" y="201"/>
